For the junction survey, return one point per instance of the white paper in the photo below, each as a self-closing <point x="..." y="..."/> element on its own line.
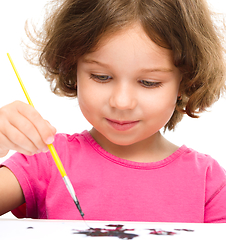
<point x="56" y="229"/>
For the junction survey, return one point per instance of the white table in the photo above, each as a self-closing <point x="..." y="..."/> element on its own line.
<point x="11" y="229"/>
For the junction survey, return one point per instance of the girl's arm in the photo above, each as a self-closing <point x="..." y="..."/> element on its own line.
<point x="24" y="130"/>
<point x="11" y="194"/>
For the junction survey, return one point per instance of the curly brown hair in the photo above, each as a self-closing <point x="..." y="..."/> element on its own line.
<point x="75" y="27"/>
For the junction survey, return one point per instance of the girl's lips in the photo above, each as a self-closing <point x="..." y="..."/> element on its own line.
<point x="121" y="125"/>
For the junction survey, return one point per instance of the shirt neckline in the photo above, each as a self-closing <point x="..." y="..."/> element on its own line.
<point x="128" y="163"/>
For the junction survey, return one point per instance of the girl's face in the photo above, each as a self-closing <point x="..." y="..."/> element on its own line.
<point x="127" y="88"/>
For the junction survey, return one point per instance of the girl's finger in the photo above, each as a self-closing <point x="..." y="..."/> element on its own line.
<point x="23" y="133"/>
<point x="43" y="128"/>
<point x="3" y="151"/>
<point x="13" y="139"/>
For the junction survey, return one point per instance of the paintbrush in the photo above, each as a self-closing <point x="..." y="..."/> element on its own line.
<point x="51" y="148"/>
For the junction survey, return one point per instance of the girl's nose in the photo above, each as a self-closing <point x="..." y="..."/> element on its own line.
<point x="123" y="98"/>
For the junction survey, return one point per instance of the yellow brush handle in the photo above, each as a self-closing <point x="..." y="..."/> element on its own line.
<point x="20" y="81"/>
<point x="50" y="146"/>
<point x="57" y="160"/>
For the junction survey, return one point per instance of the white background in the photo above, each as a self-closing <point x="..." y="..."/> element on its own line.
<point x="206" y="134"/>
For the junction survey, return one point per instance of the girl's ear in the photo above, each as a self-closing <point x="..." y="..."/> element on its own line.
<point x="179" y="97"/>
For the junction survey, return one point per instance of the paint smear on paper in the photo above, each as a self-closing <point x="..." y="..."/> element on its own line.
<point x="111" y="231"/>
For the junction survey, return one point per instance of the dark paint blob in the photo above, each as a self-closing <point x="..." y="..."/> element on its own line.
<point x="30" y="228"/>
<point x="117" y="231"/>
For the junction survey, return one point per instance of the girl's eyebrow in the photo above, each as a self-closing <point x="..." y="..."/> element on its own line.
<point x="161" y="69"/>
<point x="91" y="61"/>
<point x="157" y="70"/>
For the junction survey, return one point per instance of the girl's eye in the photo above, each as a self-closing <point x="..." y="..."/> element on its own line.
<point x="102" y="78"/>
<point x="150" y="84"/>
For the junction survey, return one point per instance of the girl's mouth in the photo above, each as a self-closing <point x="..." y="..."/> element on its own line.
<point x="121" y="125"/>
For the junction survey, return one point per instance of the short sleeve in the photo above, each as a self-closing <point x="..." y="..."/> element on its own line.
<point x="215" y="205"/>
<point x="33" y="174"/>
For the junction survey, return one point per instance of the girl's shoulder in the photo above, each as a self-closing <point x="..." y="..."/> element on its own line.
<point x="198" y="158"/>
<point x="65" y="138"/>
<point x="202" y="164"/>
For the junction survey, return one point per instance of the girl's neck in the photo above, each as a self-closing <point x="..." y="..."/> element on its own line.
<point x="152" y="149"/>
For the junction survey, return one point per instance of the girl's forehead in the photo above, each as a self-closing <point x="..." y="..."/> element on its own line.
<point x="132" y="38"/>
<point x="131" y="47"/>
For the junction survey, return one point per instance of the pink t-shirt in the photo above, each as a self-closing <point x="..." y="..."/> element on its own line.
<point x="185" y="187"/>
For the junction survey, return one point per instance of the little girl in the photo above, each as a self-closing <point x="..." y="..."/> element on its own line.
<point x="136" y="66"/>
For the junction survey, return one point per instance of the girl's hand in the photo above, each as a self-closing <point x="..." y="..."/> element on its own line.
<point x="24" y="130"/>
